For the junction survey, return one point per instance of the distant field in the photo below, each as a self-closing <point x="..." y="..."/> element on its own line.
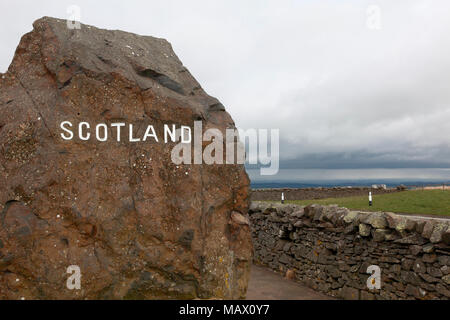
<point x="435" y="202"/>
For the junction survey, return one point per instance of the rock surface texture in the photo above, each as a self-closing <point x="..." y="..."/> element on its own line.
<point x="137" y="225"/>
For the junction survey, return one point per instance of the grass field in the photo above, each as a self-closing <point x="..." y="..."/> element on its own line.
<point x="435" y="202"/>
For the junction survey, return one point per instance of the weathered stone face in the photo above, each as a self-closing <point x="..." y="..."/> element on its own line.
<point x="137" y="225"/>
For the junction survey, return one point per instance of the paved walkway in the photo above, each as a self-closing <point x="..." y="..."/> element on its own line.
<point x="267" y="285"/>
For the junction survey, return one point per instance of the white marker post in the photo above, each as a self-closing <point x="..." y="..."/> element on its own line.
<point x="370" y="199"/>
<point x="282" y="197"/>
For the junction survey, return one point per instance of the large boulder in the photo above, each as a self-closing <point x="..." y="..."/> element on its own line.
<point x="137" y="225"/>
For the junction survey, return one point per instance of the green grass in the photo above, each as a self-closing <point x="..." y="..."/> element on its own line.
<point x="435" y="202"/>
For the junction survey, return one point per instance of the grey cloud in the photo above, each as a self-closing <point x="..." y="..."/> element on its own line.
<point x="342" y="95"/>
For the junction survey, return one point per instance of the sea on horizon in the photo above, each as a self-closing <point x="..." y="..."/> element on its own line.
<point x="306" y="178"/>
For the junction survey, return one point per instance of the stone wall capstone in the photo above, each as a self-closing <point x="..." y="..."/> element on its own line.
<point x="330" y="249"/>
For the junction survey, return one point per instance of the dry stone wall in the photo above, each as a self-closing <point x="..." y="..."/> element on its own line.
<point x="329" y="249"/>
<point x="315" y="193"/>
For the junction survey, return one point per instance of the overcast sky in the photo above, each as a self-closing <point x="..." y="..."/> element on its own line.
<point x="343" y="93"/>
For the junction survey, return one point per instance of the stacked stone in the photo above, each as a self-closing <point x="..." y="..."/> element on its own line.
<point x="329" y="249"/>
